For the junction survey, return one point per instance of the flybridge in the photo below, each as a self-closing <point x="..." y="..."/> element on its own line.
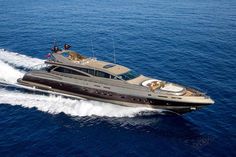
<point x="71" y="55"/>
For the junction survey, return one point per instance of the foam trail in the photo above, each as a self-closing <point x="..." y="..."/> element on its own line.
<point x="8" y="73"/>
<point x="19" y="60"/>
<point x="57" y="104"/>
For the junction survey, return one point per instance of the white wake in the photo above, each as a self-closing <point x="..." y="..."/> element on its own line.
<point x="56" y="104"/>
<point x="9" y="73"/>
<point x="52" y="104"/>
<point x="19" y="60"/>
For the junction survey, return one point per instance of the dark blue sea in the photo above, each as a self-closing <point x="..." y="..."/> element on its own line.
<point x="191" y="42"/>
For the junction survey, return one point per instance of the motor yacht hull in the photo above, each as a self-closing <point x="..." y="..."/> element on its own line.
<point x="104" y="93"/>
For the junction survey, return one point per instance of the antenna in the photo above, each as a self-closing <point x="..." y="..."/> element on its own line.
<point x="93" y="55"/>
<point x="114" y="50"/>
<point x="55" y="42"/>
<point x="92" y="48"/>
<point x="54" y="48"/>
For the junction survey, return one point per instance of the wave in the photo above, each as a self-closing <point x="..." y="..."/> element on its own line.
<point x="53" y="104"/>
<point x="57" y="104"/>
<point x="9" y="63"/>
<point x="19" y="60"/>
<point x="8" y="73"/>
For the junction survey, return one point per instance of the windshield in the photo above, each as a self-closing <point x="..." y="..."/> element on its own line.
<point x="129" y="75"/>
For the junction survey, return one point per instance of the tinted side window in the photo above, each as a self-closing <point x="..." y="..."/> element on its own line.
<point x="84" y="70"/>
<point x="91" y="72"/>
<point x="102" y="74"/>
<point x="68" y="71"/>
<point x="59" y="69"/>
<point x="49" y="68"/>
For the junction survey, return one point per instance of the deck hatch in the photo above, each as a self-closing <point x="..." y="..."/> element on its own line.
<point x="108" y="66"/>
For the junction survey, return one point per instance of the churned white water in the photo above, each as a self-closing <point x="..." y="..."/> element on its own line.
<point x="56" y="104"/>
<point x="17" y="59"/>
<point x="52" y="104"/>
<point x="9" y="73"/>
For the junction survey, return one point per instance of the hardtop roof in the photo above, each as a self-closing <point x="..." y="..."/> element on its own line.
<point x="91" y="63"/>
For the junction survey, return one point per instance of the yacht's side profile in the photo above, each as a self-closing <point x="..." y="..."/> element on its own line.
<point x="70" y="73"/>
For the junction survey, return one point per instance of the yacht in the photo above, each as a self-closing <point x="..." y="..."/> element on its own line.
<point x="68" y="72"/>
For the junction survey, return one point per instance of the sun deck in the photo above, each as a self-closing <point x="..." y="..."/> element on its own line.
<point x="93" y="63"/>
<point x="73" y="59"/>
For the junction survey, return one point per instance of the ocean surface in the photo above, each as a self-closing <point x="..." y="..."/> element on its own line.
<point x="191" y="42"/>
